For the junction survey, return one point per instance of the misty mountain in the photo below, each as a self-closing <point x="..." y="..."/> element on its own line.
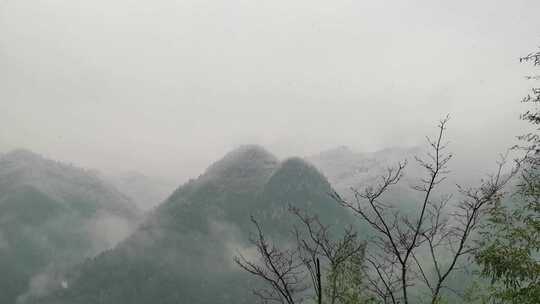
<point x="52" y="216"/>
<point x="346" y="168"/>
<point x="183" y="252"/>
<point x="145" y="191"/>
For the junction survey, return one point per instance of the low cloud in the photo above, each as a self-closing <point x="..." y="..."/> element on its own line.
<point x="106" y="230"/>
<point x="42" y="284"/>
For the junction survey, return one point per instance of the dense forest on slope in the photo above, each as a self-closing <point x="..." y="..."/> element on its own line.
<point x="185" y="246"/>
<point x="53" y="216"/>
<point x="183" y="252"/>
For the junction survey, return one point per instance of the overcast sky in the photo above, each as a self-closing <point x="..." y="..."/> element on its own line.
<point x="165" y="87"/>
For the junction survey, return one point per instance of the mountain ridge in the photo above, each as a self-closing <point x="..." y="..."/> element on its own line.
<point x="189" y="240"/>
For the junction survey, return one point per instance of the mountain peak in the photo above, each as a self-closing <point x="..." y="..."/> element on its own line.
<point x="246" y="167"/>
<point x="242" y="161"/>
<point x="250" y="151"/>
<point x="298" y="174"/>
<point x="297" y="163"/>
<point x="301" y="166"/>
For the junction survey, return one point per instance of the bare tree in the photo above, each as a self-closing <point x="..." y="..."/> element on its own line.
<point x="317" y="243"/>
<point x="281" y="269"/>
<point x="393" y="253"/>
<point x="293" y="273"/>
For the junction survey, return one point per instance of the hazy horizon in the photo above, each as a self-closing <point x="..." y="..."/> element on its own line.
<point x="166" y="88"/>
<point x="150" y="186"/>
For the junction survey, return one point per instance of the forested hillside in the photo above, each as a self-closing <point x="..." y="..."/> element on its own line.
<point x="53" y="216"/>
<point x="183" y="252"/>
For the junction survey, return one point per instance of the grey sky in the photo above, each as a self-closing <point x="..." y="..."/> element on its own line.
<point x="165" y="87"/>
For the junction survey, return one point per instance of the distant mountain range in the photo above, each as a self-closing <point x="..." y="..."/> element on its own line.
<point x="59" y="224"/>
<point x="183" y="252"/>
<point x="347" y="168"/>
